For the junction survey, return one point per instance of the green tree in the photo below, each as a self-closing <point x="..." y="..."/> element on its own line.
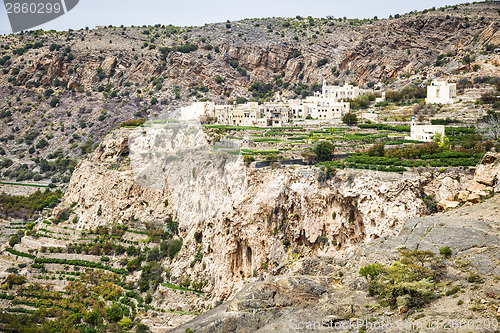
<point x="125" y="323"/>
<point x="93" y="317"/>
<point x="442" y="141"/>
<point x="114" y="313"/>
<point x="324" y="150"/>
<point x="350" y="119"/>
<point x="219" y="79"/>
<point x="174" y="248"/>
<point x="467" y="60"/>
<point x="377" y="149"/>
<point x="371" y="271"/>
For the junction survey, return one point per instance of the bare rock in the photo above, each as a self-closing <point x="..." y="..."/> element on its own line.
<point x="488" y="171"/>
<point x="447" y="204"/>
<point x="463" y="195"/>
<point x="474" y="198"/>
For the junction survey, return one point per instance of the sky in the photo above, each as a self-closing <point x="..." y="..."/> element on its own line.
<point x="91" y="13"/>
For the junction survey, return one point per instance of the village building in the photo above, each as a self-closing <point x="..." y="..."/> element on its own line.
<point x="441" y="92"/>
<point x="329" y="104"/>
<point x="347" y="91"/>
<point x="425" y="133"/>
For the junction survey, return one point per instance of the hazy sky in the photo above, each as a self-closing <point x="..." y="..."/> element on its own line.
<point x="90" y="13"/>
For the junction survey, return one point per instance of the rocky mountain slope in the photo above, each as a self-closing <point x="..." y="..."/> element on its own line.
<point x="63" y="91"/>
<point x="322" y="293"/>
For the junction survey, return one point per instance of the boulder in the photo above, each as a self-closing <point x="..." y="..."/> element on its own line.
<point x="483" y="193"/>
<point x="474" y="198"/>
<point x="463" y="195"/>
<point x="474" y="187"/>
<point x="488" y="171"/>
<point x="447" y="204"/>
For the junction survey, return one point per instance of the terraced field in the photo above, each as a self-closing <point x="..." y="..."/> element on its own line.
<point x="58" y="276"/>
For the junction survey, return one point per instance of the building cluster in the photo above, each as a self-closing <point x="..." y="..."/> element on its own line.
<point x="331" y="103"/>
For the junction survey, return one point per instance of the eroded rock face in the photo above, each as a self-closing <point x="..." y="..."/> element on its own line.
<point x="315" y="293"/>
<point x="484" y="183"/>
<point x="282" y="209"/>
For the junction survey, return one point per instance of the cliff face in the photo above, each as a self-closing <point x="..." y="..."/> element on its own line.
<point x="372" y="51"/>
<point x="321" y="293"/>
<point x="283" y="213"/>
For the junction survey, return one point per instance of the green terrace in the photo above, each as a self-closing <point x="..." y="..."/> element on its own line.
<point x="396" y="164"/>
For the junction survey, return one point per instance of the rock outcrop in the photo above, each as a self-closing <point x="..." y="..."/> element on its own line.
<point x="484" y="183"/>
<point x="316" y="294"/>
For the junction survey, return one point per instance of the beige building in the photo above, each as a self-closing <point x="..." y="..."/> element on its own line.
<point x="347" y="91"/>
<point x="328" y="104"/>
<point x="441" y="92"/>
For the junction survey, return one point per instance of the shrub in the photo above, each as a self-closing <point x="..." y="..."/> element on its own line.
<point x="54" y="102"/>
<point x="452" y="291"/>
<point x="173" y="248"/>
<point x="404" y="282"/>
<point x="125" y="323"/>
<point x="350" y="119"/>
<point x="474" y="278"/>
<point x="321" y="62"/>
<point x="13" y="279"/>
<point x="114" y="313"/>
<point x="324" y="150"/>
<point x="141" y="328"/>
<point x="445" y="251"/>
<point x="187" y="48"/>
<point x="234" y="63"/>
<point x="133" y="122"/>
<point x="431" y="204"/>
<point x="377" y="149"/>
<point x="248" y="159"/>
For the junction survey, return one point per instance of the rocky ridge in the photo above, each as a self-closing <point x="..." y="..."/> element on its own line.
<point x="484" y="183"/>
<point x="71" y="88"/>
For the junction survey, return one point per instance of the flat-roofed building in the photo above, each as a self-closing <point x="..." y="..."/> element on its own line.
<point x="425" y="132"/>
<point x="441" y="92"/>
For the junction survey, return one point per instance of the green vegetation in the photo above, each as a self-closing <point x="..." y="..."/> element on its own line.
<point x="23" y="207"/>
<point x="445" y="251"/>
<point x="350" y="119"/>
<point x="20" y="254"/>
<point x="407" y="282"/>
<point x="324" y="150"/>
<point x="399" y="128"/>
<point x="133" y="123"/>
<point x="81" y="263"/>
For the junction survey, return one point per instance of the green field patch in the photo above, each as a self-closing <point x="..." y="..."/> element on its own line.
<point x="24" y="184"/>
<point x="176" y="287"/>
<point x="82" y="263"/>
<point x="20" y="254"/>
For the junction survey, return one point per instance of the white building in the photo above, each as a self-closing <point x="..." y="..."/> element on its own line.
<point x="424" y="132"/>
<point x="347" y="91"/>
<point x="196" y="110"/>
<point x="441" y="92"/>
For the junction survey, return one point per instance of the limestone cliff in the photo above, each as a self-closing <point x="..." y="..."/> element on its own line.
<point x="285" y="212"/>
